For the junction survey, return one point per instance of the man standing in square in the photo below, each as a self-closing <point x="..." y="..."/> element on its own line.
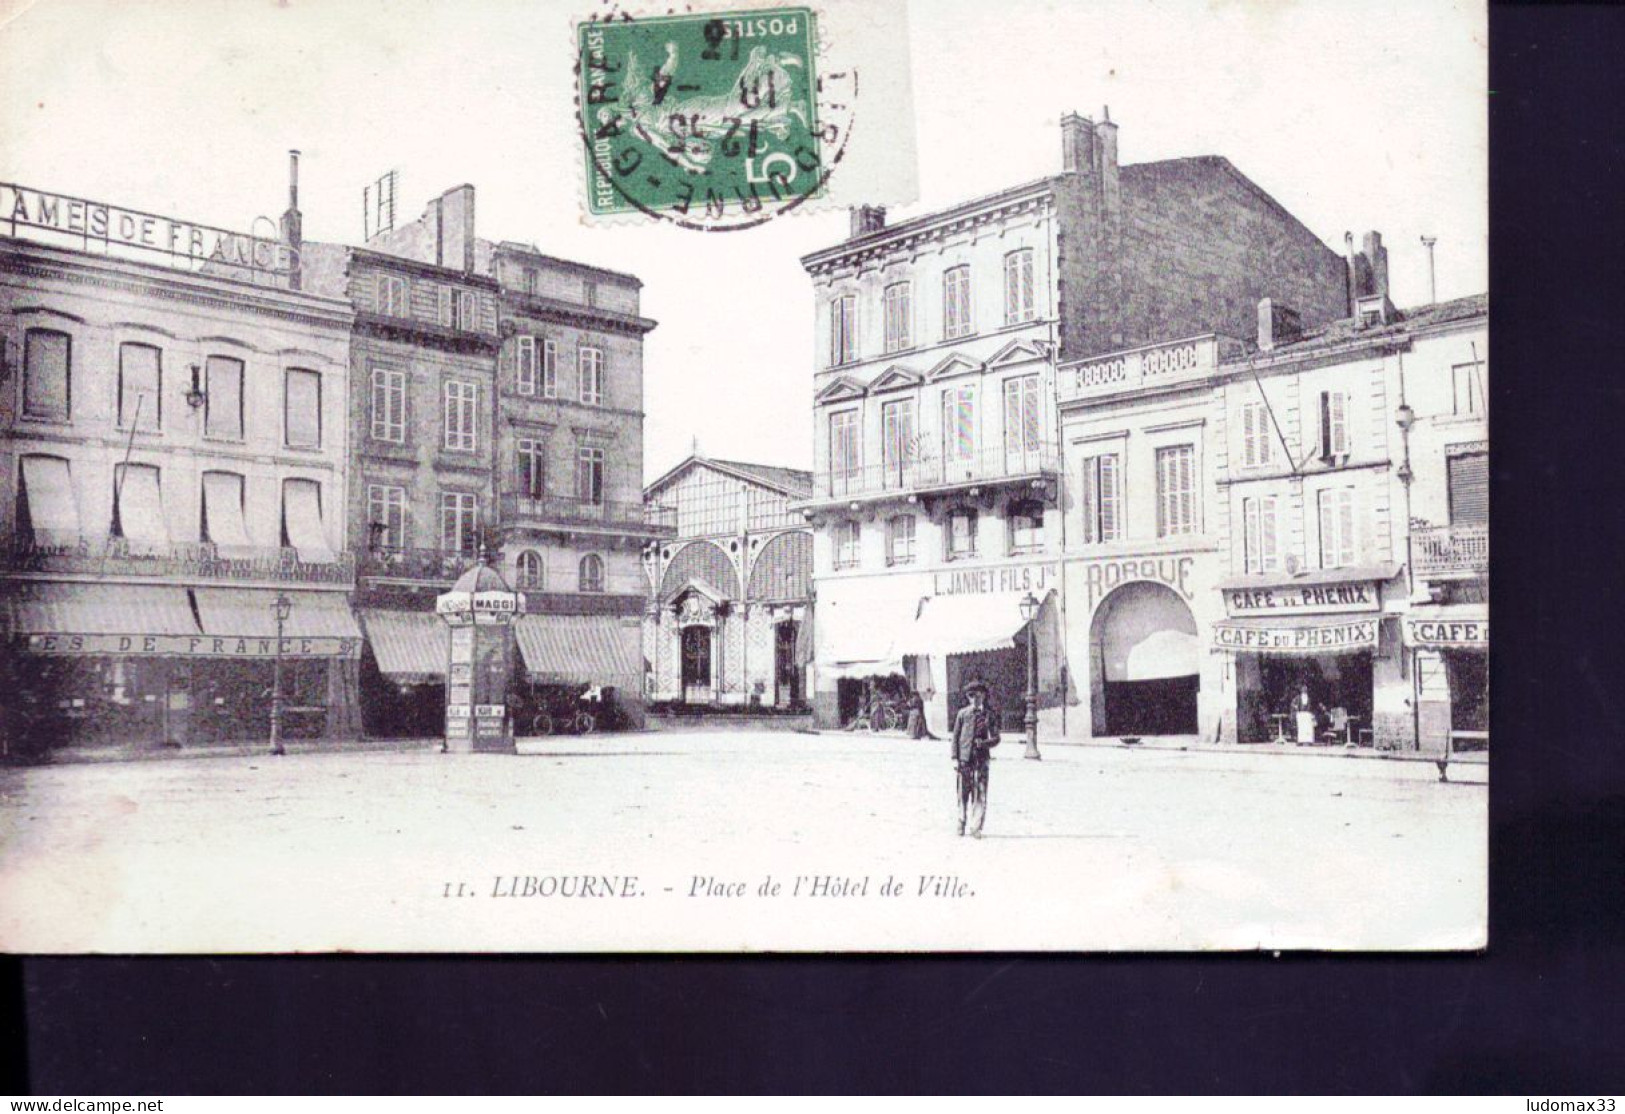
<point x="975" y="734"/>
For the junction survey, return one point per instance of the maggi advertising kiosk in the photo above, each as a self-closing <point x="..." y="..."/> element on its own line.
<point x="479" y="611"/>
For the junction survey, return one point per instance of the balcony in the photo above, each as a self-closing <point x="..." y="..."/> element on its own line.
<point x="925" y="475"/>
<point x="549" y="512"/>
<point x="1157" y="365"/>
<point x="189" y="561"/>
<point x="420" y="566"/>
<point x="1462" y="549"/>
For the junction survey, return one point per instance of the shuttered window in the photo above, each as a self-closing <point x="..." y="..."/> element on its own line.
<point x="1176" y="490"/>
<point x="900" y="540"/>
<point x="386" y="516"/>
<point x="526" y="356"/>
<point x="388" y="405"/>
<point x="897" y="440"/>
<point x="1018" y="286"/>
<point x="1259" y="518"/>
<point x="1257" y="435"/>
<point x="392" y="296"/>
<point x="1021" y="418"/>
<point x="1469" y="480"/>
<point x="899" y="317"/>
<point x="843" y="450"/>
<point x="1337" y="545"/>
<point x="956" y="307"/>
<point x="550" y="368"/>
<point x="1334" y="431"/>
<point x="959" y="424"/>
<point x="530" y="471"/>
<point x="843" y="324"/>
<point x="460" y="411"/>
<point x="1101" y="499"/>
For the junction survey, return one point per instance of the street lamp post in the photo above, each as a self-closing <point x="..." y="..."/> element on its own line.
<point x="1029" y="612"/>
<point x="283" y="607"/>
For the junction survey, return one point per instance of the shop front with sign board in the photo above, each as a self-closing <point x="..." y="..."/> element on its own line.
<point x="1313" y="660"/>
<point x="1450" y="649"/>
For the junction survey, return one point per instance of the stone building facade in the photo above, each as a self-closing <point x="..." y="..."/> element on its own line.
<point x="174" y="455"/>
<point x="937" y="462"/>
<point x="729" y="593"/>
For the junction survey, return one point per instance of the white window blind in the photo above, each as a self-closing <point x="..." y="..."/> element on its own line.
<point x="53" y="509"/>
<point x="140" y="504"/>
<point x="223" y="520"/>
<point x="302" y="521"/>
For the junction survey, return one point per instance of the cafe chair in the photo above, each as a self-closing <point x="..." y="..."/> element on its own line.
<point x="1339" y="729"/>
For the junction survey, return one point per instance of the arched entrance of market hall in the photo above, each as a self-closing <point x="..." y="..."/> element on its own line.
<point x="1144" y="663"/>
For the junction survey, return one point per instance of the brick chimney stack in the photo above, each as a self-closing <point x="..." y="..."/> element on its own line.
<point x="1277" y="323"/>
<point x="1078" y="143"/>
<point x="293" y="230"/>
<point x="866" y="219"/>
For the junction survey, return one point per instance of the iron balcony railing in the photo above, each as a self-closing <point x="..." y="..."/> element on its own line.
<point x="908" y="473"/>
<point x="110" y="556"/>
<point x="436" y="565"/>
<point x="551" y="510"/>
<point x="1455" y="549"/>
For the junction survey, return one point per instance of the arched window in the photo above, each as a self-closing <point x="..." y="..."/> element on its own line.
<point x="592" y="573"/>
<point x="530" y="570"/>
<point x="1026" y="527"/>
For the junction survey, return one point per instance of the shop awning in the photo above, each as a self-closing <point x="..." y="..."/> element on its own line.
<point x="963" y="625"/>
<point x="249" y="613"/>
<point x="1451" y="626"/>
<point x="1160" y="655"/>
<point x="581" y="649"/>
<point x="1298" y="634"/>
<point x="136" y="609"/>
<point x="141" y="505"/>
<point x="854" y="635"/>
<point x="302" y="513"/>
<point x="223" y="506"/>
<point x="410" y="646"/>
<point x="52" y="508"/>
<point x="1309" y="577"/>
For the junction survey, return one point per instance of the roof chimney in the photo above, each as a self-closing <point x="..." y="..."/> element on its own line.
<point x="866" y="219"/>
<point x="1077" y="143"/>
<point x="292" y="222"/>
<point x="1277" y="323"/>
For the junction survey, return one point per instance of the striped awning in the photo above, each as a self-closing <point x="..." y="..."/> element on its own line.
<point x="410" y="646"/>
<point x="51" y="608"/>
<point x="582" y="649"/>
<point x="250" y="613"/>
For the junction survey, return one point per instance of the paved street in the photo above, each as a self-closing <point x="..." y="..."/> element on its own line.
<point x="1091" y="848"/>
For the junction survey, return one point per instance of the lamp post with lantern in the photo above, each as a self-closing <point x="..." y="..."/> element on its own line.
<point x="1029" y="612"/>
<point x="282" y="606"/>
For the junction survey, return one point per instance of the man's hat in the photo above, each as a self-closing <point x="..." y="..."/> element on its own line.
<point x="975" y="684"/>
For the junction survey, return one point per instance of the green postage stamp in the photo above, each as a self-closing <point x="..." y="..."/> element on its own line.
<point x="710" y="120"/>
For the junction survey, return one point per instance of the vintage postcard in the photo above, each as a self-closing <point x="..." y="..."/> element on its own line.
<point x="573" y="476"/>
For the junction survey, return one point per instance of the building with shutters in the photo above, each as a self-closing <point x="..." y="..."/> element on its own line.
<point x="1354" y="547"/>
<point x="938" y="493"/>
<point x="174" y="454"/>
<point x="497" y="401"/>
<point x="730" y="593"/>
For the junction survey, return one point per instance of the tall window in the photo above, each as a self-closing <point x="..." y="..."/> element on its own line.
<point x="1257" y="435"/>
<point x="468" y="307"/>
<point x="1176" y="490"/>
<point x="140" y="385"/>
<point x="530" y="281"/>
<point x="956" y="307"/>
<point x="459" y="522"/>
<point x="847" y="538"/>
<point x="445" y="298"/>
<point x="302" y="409"/>
<point x="1018" y="286"/>
<point x="550" y="368"/>
<point x="1336" y="527"/>
<point x="961" y="540"/>
<point x="530" y="473"/>
<point x="590" y="475"/>
<point x="47" y="378"/>
<point x="1260" y="534"/>
<point x="1467" y="388"/>
<point x="392" y="301"/>
<point x="1026" y="528"/>
<point x="897" y="443"/>
<point x="843" y="327"/>
<point x="1021" y="422"/>
<point x="461" y="409"/>
<point x="529" y="568"/>
<point x="223" y="394"/>
<point x="900" y="540"/>
<point x="388" y="405"/>
<point x="223" y="521"/>
<point x="1468" y="478"/>
<point x="590" y="362"/>
<point x="843" y="450"/>
<point x="959" y="424"/>
<point x="592" y="573"/>
<point x="386" y="516"/>
<point x="525" y="354"/>
<point x="899" y="317"/>
<point x="1102" y="499"/>
<point x="1334" y="425"/>
<point x="589" y="292"/>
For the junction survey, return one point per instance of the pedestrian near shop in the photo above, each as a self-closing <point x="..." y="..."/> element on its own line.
<point x="916" y="717"/>
<point x="976" y="733"/>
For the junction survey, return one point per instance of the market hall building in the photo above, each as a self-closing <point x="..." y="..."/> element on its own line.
<point x="173" y="451"/>
<point x="727" y="623"/>
<point x="939" y="498"/>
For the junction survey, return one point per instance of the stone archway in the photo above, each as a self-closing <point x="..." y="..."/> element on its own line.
<point x="1144" y="663"/>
